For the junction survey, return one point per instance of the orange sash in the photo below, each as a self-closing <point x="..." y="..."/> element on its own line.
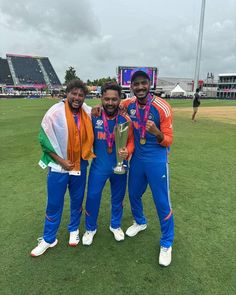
<point x="80" y="142"/>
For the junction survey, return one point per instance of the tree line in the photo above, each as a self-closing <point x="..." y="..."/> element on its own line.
<point x="71" y="74"/>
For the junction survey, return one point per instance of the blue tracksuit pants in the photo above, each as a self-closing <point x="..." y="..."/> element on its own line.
<point x="57" y="184"/>
<point x="96" y="183"/>
<point x="156" y="175"/>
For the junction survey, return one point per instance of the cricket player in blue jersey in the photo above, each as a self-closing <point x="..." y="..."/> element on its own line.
<point x="152" y="127"/>
<point x="102" y="166"/>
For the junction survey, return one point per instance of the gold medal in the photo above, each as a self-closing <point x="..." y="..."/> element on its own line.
<point x="109" y="150"/>
<point x="142" y="140"/>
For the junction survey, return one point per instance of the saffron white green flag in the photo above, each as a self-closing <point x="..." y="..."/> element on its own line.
<point x="53" y="135"/>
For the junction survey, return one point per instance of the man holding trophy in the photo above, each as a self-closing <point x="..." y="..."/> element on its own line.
<point x="152" y="122"/>
<point x="113" y="142"/>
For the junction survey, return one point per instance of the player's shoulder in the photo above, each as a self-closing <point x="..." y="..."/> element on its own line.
<point x="160" y="100"/>
<point x="162" y="105"/>
<point x="128" y="101"/>
<point x="57" y="107"/>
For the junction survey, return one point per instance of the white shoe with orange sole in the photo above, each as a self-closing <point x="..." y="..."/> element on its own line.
<point x="42" y="247"/>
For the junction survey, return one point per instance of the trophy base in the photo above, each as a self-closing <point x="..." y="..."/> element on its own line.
<point x="119" y="170"/>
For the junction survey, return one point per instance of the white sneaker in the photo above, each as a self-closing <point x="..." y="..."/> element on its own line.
<point x="165" y="256"/>
<point x="118" y="233"/>
<point x="135" y="228"/>
<point x="74" y="238"/>
<point x="42" y="247"/>
<point x="88" y="237"/>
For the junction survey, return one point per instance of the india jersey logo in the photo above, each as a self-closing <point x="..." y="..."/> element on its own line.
<point x="132" y="113"/>
<point x="99" y="124"/>
<point x="151" y="117"/>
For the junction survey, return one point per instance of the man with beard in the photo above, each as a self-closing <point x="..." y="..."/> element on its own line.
<point x="102" y="166"/>
<point x="152" y="122"/>
<point x="66" y="137"/>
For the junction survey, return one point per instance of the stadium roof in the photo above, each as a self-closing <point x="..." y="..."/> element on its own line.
<point x="226" y="75"/>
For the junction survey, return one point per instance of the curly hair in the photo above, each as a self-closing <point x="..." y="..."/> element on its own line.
<point x="77" y="83"/>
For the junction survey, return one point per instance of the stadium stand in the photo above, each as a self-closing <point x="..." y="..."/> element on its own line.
<point x="5" y="74"/>
<point x="27" y="70"/>
<point x="24" y="71"/>
<point x="50" y="71"/>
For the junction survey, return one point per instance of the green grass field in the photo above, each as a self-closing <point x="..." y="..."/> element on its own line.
<point x="203" y="190"/>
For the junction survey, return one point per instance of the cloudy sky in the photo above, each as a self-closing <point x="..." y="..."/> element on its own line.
<point x="96" y="36"/>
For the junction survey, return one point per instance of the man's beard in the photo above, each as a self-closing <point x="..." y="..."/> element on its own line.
<point x="75" y="109"/>
<point x="143" y="99"/>
<point x="110" y="113"/>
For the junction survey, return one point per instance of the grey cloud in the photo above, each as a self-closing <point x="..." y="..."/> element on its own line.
<point x="102" y="48"/>
<point x="97" y="36"/>
<point x="68" y="20"/>
<point x="219" y="47"/>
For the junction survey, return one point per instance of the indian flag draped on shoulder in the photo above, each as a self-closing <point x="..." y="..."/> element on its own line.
<point x="60" y="135"/>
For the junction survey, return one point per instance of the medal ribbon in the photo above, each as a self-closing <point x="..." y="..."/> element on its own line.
<point x="110" y="136"/>
<point x="142" y="123"/>
<point x="77" y="120"/>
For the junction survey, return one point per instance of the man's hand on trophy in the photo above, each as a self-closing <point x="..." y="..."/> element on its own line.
<point x="123" y="153"/>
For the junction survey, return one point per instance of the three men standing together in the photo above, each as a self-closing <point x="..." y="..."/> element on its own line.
<point x="148" y="143"/>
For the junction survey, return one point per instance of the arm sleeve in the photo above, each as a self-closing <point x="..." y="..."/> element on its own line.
<point x="125" y="103"/>
<point x="130" y="142"/>
<point x="166" y="127"/>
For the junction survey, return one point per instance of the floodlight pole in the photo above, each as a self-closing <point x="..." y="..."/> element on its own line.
<point x="199" y="46"/>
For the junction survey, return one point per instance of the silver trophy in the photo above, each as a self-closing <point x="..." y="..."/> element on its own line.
<point x="121" y="137"/>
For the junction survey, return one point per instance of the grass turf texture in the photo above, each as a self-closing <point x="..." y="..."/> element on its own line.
<point x="203" y="189"/>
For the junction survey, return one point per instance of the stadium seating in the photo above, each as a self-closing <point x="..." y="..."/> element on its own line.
<point x="5" y="74"/>
<point x="50" y="71"/>
<point x="27" y="70"/>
